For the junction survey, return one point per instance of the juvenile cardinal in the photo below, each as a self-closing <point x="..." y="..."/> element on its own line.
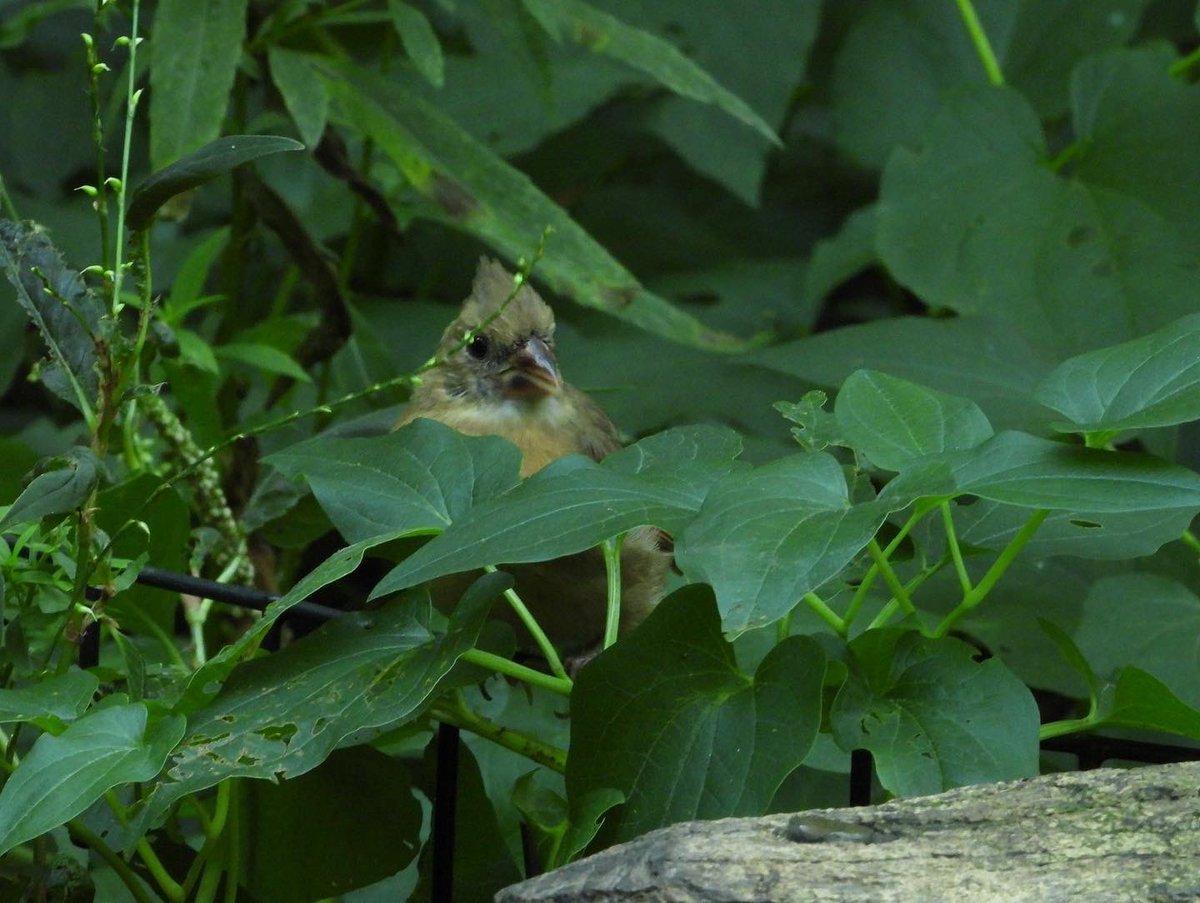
<point x="506" y="382"/>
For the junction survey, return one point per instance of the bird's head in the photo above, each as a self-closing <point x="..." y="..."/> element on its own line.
<point x="509" y="358"/>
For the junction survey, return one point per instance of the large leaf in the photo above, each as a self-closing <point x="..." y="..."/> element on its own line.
<point x="1030" y="472"/>
<point x="894" y="422"/>
<point x="63" y="775"/>
<point x="419" y="479"/>
<point x="57" y="491"/>
<point x="984" y="359"/>
<point x="660" y="59"/>
<point x="977" y="222"/>
<point x="60" y="698"/>
<point x="765" y="538"/>
<point x="196" y="52"/>
<point x="282" y="715"/>
<point x="902" y="58"/>
<point x="304" y="93"/>
<point x="1140" y="700"/>
<point x="213" y="159"/>
<point x="1147" y="382"/>
<point x="575" y="504"/>
<point x="932" y="717"/>
<point x="667" y="718"/>
<point x="68" y="316"/>
<point x="1148" y="621"/>
<point x="465" y="184"/>
<point x="371" y="821"/>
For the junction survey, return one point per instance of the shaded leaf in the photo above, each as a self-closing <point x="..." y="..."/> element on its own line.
<point x="63" y="775"/>
<point x="63" y="697"/>
<point x="894" y="422"/>
<point x="56" y="491"/>
<point x="765" y="538"/>
<point x="932" y="717"/>
<point x="196" y="52"/>
<point x="1140" y="700"/>
<point x="575" y="504"/>
<point x="1023" y="470"/>
<point x="602" y="33"/>
<point x="666" y="718"/>
<point x="1147" y="382"/>
<point x="418" y="479"/>
<point x="420" y="41"/>
<point x="264" y="357"/>
<point x="282" y="715"/>
<point x="304" y="93"/>
<point x="213" y="159"/>
<point x="68" y="316"/>
<point x="467" y="185"/>
<point x="1073" y="266"/>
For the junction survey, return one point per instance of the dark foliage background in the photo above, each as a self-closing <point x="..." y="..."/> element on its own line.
<point x="972" y="223"/>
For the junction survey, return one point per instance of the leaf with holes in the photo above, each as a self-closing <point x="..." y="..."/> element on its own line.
<point x="282" y="715"/>
<point x="932" y="717"/>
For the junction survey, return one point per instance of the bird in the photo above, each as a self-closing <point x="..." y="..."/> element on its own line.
<point x="498" y="375"/>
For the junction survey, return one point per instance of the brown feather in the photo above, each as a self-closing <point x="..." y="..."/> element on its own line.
<point x="475" y="396"/>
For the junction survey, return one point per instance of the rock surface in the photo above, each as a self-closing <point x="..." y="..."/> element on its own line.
<point x="1104" y="835"/>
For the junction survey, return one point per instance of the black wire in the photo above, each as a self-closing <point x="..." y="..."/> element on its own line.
<point x="228" y="593"/>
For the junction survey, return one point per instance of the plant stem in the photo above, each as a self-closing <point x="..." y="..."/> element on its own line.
<point x="131" y="881"/>
<point x="6" y="202"/>
<point x="1054" y="729"/>
<point x="890" y="578"/>
<point x="827" y="614"/>
<point x="1183" y="65"/>
<point x="994" y="573"/>
<point x="964" y="579"/>
<point x="170" y="888"/>
<point x="983" y="47"/>
<point x="131" y="99"/>
<point x="889" y="610"/>
<point x="612" y="569"/>
<point x="100" y="201"/>
<point x="509" y="668"/>
<point x="535" y="629"/>
<point x="1189" y="539"/>
<point x="453" y="710"/>
<point x="860" y="594"/>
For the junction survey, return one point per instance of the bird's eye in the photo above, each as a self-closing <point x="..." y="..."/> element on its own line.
<point x="478" y="347"/>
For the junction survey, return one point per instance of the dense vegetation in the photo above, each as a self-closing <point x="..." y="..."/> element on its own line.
<point x="231" y="233"/>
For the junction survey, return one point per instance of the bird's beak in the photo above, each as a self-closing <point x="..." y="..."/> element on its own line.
<point x="533" y="371"/>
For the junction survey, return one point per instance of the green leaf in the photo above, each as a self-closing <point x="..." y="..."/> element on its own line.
<point x="264" y="357"/>
<point x="69" y="318"/>
<point x="196" y="51"/>
<point x="765" y="538"/>
<point x="575" y="504"/>
<point x="187" y="290"/>
<point x="213" y="159"/>
<point x="1138" y="130"/>
<point x="932" y="717"/>
<point x="667" y="718"/>
<point x="63" y="697"/>
<point x="1023" y="470"/>
<point x="371" y="827"/>
<point x="1140" y="700"/>
<point x="57" y="491"/>
<point x="1087" y="534"/>
<point x="1147" y="621"/>
<point x="984" y="359"/>
<point x="976" y="221"/>
<point x="282" y="715"/>
<point x="894" y="422"/>
<point x="468" y="186"/>
<point x="420" y="41"/>
<point x="304" y="93"/>
<point x="816" y="429"/>
<point x="902" y="58"/>
<point x="418" y="479"/>
<point x="63" y="775"/>
<point x="1073" y="656"/>
<point x="1147" y="382"/>
<point x="587" y="818"/>
<point x="19" y="21"/>
<point x="778" y="37"/>
<point x="602" y="33"/>
<point x="846" y="253"/>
